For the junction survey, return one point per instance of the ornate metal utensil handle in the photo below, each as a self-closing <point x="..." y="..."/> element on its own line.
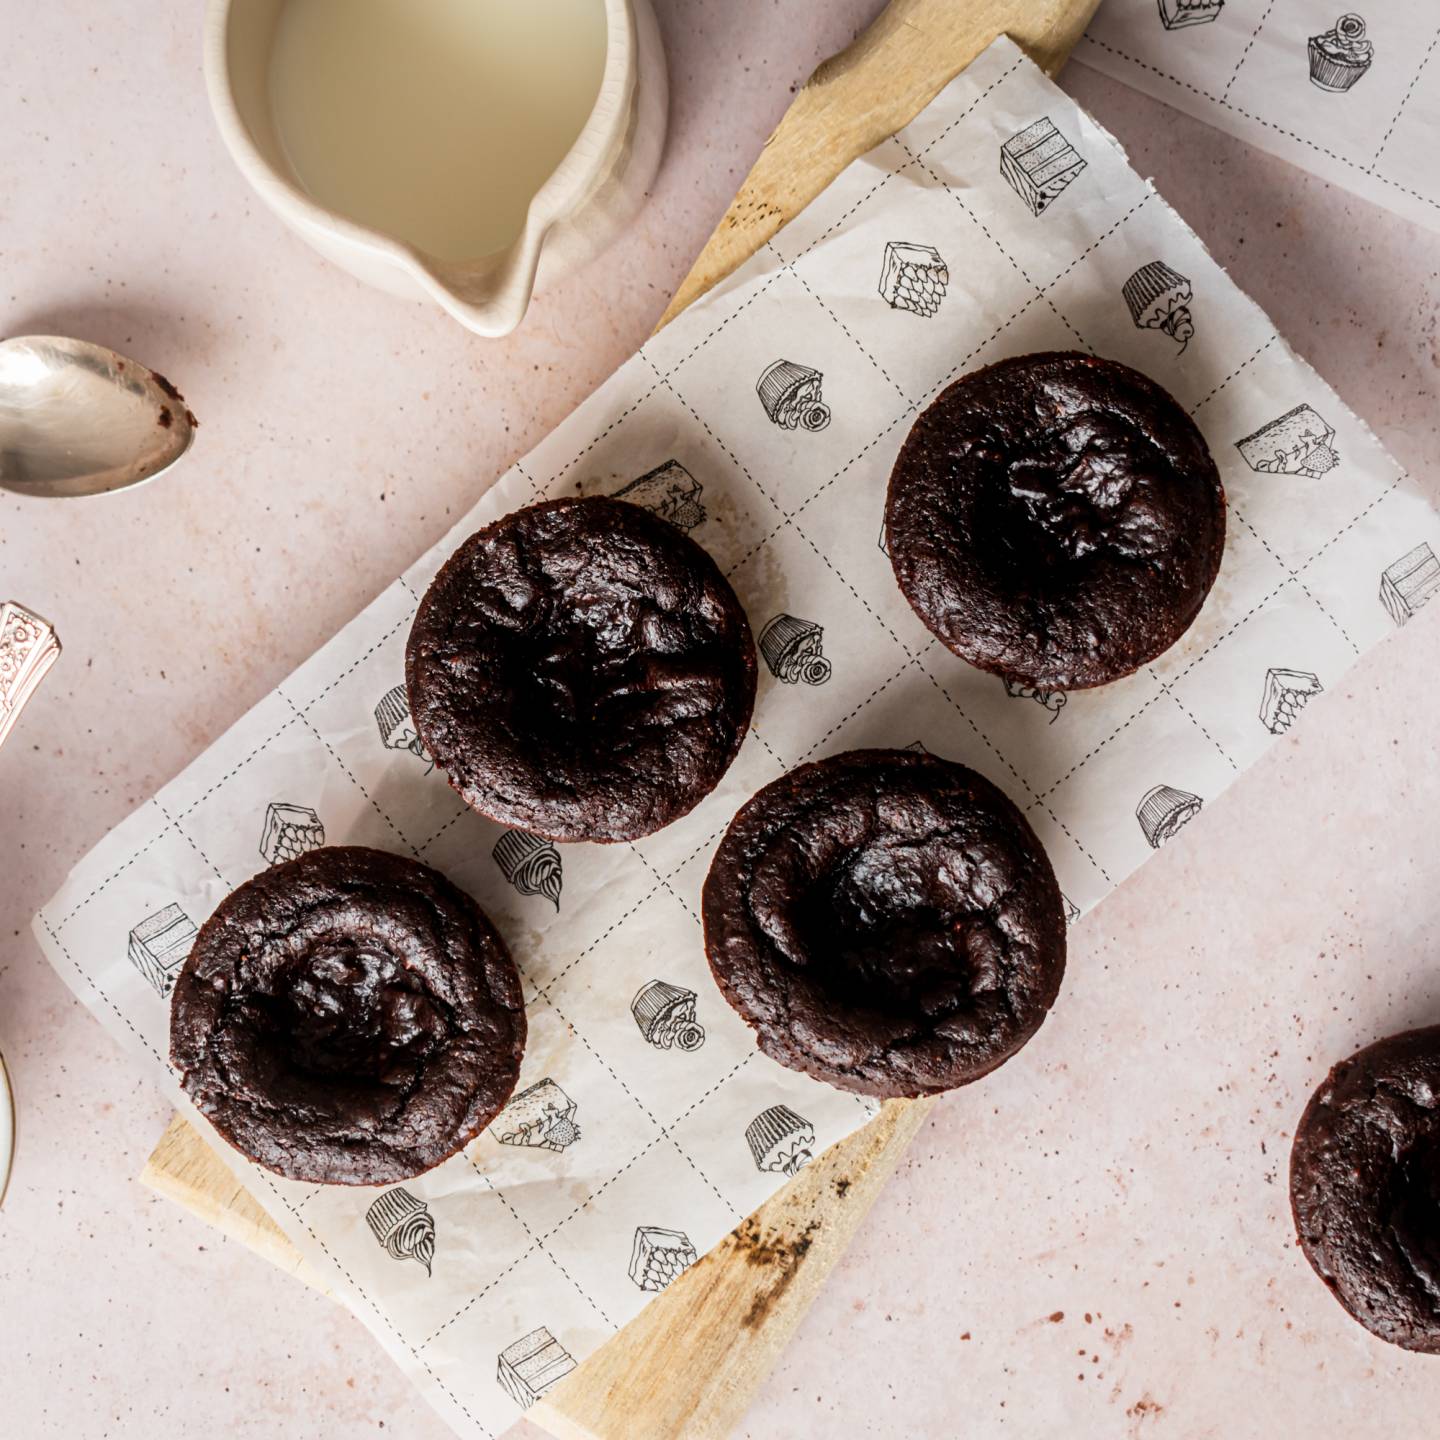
<point x="28" y="648"/>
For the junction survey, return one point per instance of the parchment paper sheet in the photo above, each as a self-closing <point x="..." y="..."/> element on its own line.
<point x="1045" y="241"/>
<point x="1244" y="66"/>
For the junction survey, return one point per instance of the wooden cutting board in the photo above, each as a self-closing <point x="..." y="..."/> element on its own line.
<point x="689" y="1364"/>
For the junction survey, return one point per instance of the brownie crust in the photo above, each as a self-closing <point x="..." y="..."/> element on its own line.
<point x="886" y="921"/>
<point x="581" y="669"/>
<point x="348" y="1018"/>
<point x="1365" y="1187"/>
<point x="1056" y="519"/>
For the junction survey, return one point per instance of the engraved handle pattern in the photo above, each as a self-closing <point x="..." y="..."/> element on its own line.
<point x="28" y="648"/>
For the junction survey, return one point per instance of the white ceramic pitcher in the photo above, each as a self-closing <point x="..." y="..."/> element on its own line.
<point x="591" y="196"/>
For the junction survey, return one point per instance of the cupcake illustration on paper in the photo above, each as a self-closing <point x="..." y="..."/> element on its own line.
<point x="1159" y="299"/>
<point x="1339" y="57"/>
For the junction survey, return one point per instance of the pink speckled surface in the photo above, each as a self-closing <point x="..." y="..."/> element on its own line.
<point x="340" y="431"/>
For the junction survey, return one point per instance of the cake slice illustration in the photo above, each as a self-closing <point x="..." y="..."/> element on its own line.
<point x="1340" y="56"/>
<point x="530" y="864"/>
<point x="1287" y="692"/>
<point x="1159" y="299"/>
<point x="913" y="277"/>
<point x="1409" y="583"/>
<point x="1163" y="811"/>
<point x="403" y="1226"/>
<point x="665" y="1014"/>
<point x="159" y="944"/>
<point x="529" y="1367"/>
<point x="1039" y="162"/>
<point x="290" y="830"/>
<point x="669" y="491"/>
<point x="791" y="648"/>
<point x="780" y="1140"/>
<point x="542" y="1117"/>
<point x="1178" y="14"/>
<point x="791" y="396"/>
<point x="1300" y="442"/>
<point x="658" y="1256"/>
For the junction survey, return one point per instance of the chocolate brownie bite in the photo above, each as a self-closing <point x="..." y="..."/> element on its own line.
<point x="581" y="669"/>
<point x="348" y="1018"/>
<point x="1056" y="519"/>
<point x="1365" y="1187"/>
<point x="886" y="921"/>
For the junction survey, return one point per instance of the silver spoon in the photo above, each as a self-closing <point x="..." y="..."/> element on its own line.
<point x="78" y="419"/>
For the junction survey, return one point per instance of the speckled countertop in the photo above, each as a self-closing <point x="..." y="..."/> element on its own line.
<point x="341" y="431"/>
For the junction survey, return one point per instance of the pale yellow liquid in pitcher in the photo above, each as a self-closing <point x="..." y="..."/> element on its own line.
<point x="434" y="121"/>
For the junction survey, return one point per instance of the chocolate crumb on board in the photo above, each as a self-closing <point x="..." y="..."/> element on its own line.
<point x="771" y="1250"/>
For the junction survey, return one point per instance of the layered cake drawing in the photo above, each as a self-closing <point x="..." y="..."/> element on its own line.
<point x="159" y="944"/>
<point x="1039" y="162"/>
<point x="529" y="1367"/>
<point x="1409" y="583"/>
<point x="1299" y="442"/>
<point x="1340" y="56"/>
<point x="913" y="277"/>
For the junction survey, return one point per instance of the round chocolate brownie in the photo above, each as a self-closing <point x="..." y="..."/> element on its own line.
<point x="348" y="1018"/>
<point x="887" y="921"/>
<point x="1056" y="519"/>
<point x="581" y="669"/>
<point x="1365" y="1187"/>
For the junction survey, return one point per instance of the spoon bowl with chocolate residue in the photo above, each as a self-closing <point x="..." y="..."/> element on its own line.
<point x="78" y="419"/>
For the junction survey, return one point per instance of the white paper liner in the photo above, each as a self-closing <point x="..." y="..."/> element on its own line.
<point x="998" y="248"/>
<point x="1367" y="121"/>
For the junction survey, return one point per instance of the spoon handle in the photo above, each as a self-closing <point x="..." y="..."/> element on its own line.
<point x="28" y="648"/>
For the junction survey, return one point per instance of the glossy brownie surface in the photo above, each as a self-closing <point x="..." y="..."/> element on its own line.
<point x="1056" y="519"/>
<point x="349" y="1017"/>
<point x="886" y="921"/>
<point x="581" y="669"/>
<point x="1365" y="1187"/>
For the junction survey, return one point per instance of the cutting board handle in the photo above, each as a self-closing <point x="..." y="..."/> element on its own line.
<point x="867" y="92"/>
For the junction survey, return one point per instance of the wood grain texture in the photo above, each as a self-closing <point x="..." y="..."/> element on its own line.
<point x="721" y="1325"/>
